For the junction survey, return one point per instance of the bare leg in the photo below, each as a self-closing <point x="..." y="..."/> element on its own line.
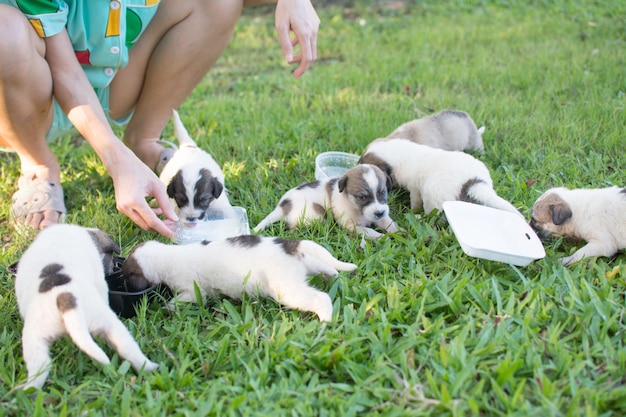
<point x="179" y="46"/>
<point x="26" y="102"/>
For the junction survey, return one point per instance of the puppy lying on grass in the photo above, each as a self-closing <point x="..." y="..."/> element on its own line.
<point x="451" y="130"/>
<point x="250" y="264"/>
<point x="61" y="289"/>
<point x="433" y="176"/>
<point x="356" y="200"/>
<point x="597" y="216"/>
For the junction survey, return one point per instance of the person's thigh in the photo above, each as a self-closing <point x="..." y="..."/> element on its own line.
<point x="127" y="84"/>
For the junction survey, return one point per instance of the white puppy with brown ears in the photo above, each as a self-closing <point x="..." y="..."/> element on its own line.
<point x="357" y="199"/>
<point x="61" y="289"/>
<point x="194" y="181"/>
<point x="251" y="264"/>
<point x="433" y="176"/>
<point x="597" y="216"/>
<point x="451" y="130"/>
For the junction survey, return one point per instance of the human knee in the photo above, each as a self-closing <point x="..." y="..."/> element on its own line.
<point x="216" y="15"/>
<point x="17" y="41"/>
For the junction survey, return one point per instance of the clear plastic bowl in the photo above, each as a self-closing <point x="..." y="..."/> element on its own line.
<point x="334" y="164"/>
<point x="215" y="226"/>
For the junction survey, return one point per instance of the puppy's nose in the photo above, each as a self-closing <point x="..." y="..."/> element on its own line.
<point x="191" y="219"/>
<point x="380" y="214"/>
<point x="533" y="224"/>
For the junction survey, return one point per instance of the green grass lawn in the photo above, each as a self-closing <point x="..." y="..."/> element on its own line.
<point x="419" y="328"/>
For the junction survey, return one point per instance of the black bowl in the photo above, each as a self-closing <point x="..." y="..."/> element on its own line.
<point x="121" y="300"/>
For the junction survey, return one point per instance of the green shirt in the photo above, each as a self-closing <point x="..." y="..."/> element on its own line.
<point x="101" y="31"/>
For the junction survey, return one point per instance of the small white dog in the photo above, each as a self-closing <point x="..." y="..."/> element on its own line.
<point x="597" y="216"/>
<point x="433" y="176"/>
<point x="249" y="264"/>
<point x="61" y="289"/>
<point x="357" y="200"/>
<point x="194" y="180"/>
<point x="451" y="130"/>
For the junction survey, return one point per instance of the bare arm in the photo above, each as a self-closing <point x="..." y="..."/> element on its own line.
<point x="133" y="180"/>
<point x="299" y="17"/>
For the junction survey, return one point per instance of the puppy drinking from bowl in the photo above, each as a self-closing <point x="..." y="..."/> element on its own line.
<point x="597" y="216"/>
<point x="61" y="289"/>
<point x="357" y="200"/>
<point x="251" y="264"/>
<point x="432" y="176"/>
<point x="194" y="181"/>
<point x="451" y="130"/>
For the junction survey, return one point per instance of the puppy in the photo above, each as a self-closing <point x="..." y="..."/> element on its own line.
<point x="249" y="264"/>
<point x="193" y="179"/>
<point x="597" y="216"/>
<point x="433" y="176"/>
<point x="61" y="289"/>
<point x="357" y="200"/>
<point x="451" y="130"/>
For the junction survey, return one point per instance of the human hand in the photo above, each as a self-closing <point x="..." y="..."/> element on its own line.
<point x="133" y="182"/>
<point x="299" y="17"/>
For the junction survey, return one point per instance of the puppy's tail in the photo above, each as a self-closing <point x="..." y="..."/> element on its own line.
<point x="483" y="193"/>
<point x="77" y="328"/>
<point x="273" y="217"/>
<point x="181" y="132"/>
<point x="320" y="259"/>
<point x="480" y="130"/>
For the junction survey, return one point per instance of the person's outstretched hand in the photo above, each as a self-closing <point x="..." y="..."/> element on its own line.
<point x="133" y="182"/>
<point x="299" y="17"/>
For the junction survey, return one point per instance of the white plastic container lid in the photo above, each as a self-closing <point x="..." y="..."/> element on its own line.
<point x="492" y="234"/>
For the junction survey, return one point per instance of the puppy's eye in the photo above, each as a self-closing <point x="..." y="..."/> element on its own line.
<point x="362" y="197"/>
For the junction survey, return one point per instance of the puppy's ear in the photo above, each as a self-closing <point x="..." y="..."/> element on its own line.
<point x="208" y="184"/>
<point x="176" y="190"/>
<point x="217" y="188"/>
<point x="560" y="213"/>
<point x="135" y="279"/>
<point x="107" y="247"/>
<point x="342" y="183"/>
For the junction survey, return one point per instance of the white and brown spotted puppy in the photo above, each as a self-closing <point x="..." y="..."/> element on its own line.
<point x="597" y="216"/>
<point x="61" y="289"/>
<point x="433" y="176"/>
<point x="357" y="200"/>
<point x="194" y="181"/>
<point x="251" y="264"/>
<point x="451" y="130"/>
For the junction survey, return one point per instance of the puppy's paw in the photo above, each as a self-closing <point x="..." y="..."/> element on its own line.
<point x="150" y="366"/>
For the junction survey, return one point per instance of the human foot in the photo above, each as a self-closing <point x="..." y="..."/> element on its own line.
<point x="38" y="202"/>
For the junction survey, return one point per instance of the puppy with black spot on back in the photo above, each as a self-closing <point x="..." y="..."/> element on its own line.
<point x="432" y="175"/>
<point x="61" y="289"/>
<point x="357" y="200"/>
<point x="193" y="180"/>
<point x="594" y="215"/>
<point x="251" y="264"/>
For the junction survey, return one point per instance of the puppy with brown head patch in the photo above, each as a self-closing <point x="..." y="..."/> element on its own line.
<point x="61" y="289"/>
<point x="356" y="200"/>
<point x="251" y="264"/>
<point x="433" y="176"/>
<point x="194" y="181"/>
<point x="451" y="130"/>
<point x="597" y="216"/>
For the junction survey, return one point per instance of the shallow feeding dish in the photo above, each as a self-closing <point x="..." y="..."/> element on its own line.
<point x="215" y="226"/>
<point x="492" y="234"/>
<point x="334" y="164"/>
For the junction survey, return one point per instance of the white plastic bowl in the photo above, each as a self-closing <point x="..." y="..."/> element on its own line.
<point x="492" y="234"/>
<point x="334" y="164"/>
<point x="215" y="226"/>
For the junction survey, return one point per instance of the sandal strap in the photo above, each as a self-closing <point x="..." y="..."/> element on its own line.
<point x="36" y="195"/>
